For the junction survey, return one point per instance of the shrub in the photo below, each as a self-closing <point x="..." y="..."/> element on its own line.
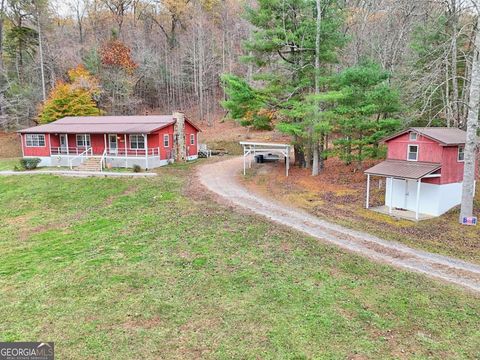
<point x="29" y="163"/>
<point x="136" y="168"/>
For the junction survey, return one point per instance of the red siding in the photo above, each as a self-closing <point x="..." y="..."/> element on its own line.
<point x="191" y="149"/>
<point x="428" y="150"/>
<point x="157" y="139"/>
<point x="37" y="150"/>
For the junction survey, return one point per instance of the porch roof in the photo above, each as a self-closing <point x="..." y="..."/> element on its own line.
<point x="403" y="169"/>
<point x="104" y="125"/>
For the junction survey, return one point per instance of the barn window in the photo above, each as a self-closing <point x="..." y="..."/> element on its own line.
<point x="35" y="140"/>
<point x="461" y="153"/>
<point x="412" y="153"/>
<point x="83" y="140"/>
<point x="137" y="142"/>
<point x="413" y="136"/>
<point x="166" y="140"/>
<point x="192" y="139"/>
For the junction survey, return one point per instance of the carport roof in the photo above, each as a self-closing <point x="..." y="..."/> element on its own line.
<point x="403" y="169"/>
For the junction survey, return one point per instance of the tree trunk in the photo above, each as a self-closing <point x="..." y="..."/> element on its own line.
<point x="315" y="148"/>
<point x="472" y="125"/>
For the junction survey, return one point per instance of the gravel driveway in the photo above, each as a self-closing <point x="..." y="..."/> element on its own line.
<point x="221" y="178"/>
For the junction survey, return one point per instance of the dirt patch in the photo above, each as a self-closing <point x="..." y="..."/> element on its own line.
<point x="10" y="146"/>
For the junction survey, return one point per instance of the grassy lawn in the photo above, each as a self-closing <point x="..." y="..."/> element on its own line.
<point x="8" y="164"/>
<point x="137" y="268"/>
<point x="338" y="195"/>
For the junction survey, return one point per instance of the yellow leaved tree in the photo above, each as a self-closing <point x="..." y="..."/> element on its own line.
<point x="73" y="98"/>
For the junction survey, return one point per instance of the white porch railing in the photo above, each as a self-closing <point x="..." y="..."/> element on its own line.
<point x="83" y="156"/>
<point x="121" y="152"/>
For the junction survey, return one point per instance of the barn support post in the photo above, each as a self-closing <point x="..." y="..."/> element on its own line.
<point x="390" y="207"/>
<point x="367" y="203"/>
<point x="417" y="207"/>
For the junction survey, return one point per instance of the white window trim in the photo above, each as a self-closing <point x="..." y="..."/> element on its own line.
<point x="408" y="152"/>
<point x="166" y="140"/>
<point x="84" y="137"/>
<point x="413" y="138"/>
<point x="458" y="153"/>
<point x="137" y="135"/>
<point x="192" y="139"/>
<point x="37" y="136"/>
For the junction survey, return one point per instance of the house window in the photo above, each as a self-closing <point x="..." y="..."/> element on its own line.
<point x="137" y="142"/>
<point x="461" y="153"/>
<point x="166" y="140"/>
<point x="412" y="153"/>
<point x="34" y="140"/>
<point x="83" y="140"/>
<point x="413" y="136"/>
<point x="192" y="139"/>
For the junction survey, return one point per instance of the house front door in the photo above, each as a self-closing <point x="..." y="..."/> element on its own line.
<point x="63" y="143"/>
<point x="112" y="143"/>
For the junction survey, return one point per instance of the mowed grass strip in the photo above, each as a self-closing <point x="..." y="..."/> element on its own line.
<point x="134" y="268"/>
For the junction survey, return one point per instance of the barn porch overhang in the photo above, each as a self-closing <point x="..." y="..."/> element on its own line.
<point x="404" y="170"/>
<point x="251" y="148"/>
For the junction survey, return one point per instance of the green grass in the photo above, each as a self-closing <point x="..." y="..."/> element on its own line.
<point x="9" y="163"/>
<point x="135" y="268"/>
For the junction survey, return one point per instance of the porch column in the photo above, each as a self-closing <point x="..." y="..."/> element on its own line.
<point x="104" y="142"/>
<point x="126" y="150"/>
<point x="66" y="141"/>
<point x="417" y="208"/>
<point x="368" y="192"/>
<point x="50" y="143"/>
<point x="145" y="136"/>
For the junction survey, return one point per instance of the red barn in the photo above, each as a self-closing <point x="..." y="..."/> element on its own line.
<point x="92" y="142"/>
<point x="424" y="170"/>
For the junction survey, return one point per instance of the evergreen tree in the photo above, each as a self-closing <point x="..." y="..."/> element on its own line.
<point x="364" y="111"/>
<point x="283" y="49"/>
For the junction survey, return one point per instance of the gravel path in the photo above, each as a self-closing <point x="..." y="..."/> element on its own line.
<point x="220" y="178"/>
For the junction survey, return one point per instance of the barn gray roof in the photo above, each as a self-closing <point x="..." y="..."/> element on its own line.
<point x="445" y="136"/>
<point x="403" y="169"/>
<point x="135" y="124"/>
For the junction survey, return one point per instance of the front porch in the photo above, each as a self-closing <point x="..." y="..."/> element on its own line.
<point x="106" y="150"/>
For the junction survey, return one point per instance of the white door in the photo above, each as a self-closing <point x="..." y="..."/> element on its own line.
<point x="63" y="143"/>
<point x="112" y="143"/>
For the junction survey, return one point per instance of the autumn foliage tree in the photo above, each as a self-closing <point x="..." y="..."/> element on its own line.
<point x="73" y="98"/>
<point x="116" y="54"/>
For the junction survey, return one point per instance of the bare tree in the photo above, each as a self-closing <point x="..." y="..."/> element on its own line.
<point x="472" y="126"/>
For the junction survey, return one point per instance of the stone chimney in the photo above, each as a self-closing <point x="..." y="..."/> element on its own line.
<point x="179" y="134"/>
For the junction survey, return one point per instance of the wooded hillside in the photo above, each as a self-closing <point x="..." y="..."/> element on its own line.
<point x="163" y="55"/>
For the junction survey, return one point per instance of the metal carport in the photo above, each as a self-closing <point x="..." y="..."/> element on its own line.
<point x="250" y="149"/>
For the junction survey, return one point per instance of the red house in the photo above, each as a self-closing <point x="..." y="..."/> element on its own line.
<point x="92" y="142"/>
<point x="424" y="170"/>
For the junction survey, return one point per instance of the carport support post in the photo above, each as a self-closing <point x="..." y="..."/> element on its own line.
<point x="417" y="208"/>
<point x="244" y="162"/>
<point x="368" y="191"/>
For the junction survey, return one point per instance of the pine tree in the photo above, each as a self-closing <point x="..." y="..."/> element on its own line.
<point x="364" y="112"/>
